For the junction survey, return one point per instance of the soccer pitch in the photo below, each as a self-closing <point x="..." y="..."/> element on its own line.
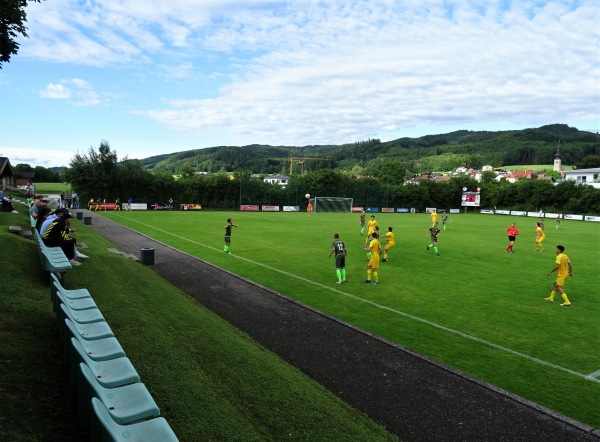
<point x="475" y="307"/>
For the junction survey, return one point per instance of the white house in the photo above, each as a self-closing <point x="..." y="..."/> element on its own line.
<point x="282" y="180"/>
<point x="584" y="176"/>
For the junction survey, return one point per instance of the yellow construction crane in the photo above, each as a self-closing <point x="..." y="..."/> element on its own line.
<point x="298" y="160"/>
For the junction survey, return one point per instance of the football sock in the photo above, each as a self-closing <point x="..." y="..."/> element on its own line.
<point x="343" y="274"/>
<point x="385" y="255"/>
<point x="362" y="231"/>
<point x="552" y="294"/>
<point x="435" y="248"/>
<point x="369" y="274"/>
<point x="430" y="246"/>
<point x="376" y="277"/>
<point x="225" y="248"/>
<point x="338" y="272"/>
<point x="564" y="296"/>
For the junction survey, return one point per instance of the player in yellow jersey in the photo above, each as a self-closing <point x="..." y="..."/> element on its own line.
<point x="373" y="265"/>
<point x="565" y="268"/>
<point x="433" y="217"/>
<point x="540" y="237"/>
<point x="391" y="242"/>
<point x="371" y="224"/>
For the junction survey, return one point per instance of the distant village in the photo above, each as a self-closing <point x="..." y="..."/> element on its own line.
<point x="583" y="176"/>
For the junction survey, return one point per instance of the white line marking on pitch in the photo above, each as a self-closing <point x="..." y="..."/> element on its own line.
<point x="591" y="377"/>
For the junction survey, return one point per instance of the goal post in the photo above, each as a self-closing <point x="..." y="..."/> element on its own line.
<point x="331" y="204"/>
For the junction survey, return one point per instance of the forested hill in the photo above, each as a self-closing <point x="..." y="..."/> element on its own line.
<point x="428" y="153"/>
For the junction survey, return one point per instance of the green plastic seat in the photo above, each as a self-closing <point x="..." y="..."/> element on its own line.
<point x="126" y="404"/>
<point x="99" y="349"/>
<point x="76" y="303"/>
<point x="78" y="317"/>
<point x="70" y="294"/>
<point x="94" y="331"/>
<point x="105" y="429"/>
<point x="113" y="373"/>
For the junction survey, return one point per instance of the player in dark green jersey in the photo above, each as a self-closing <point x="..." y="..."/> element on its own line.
<point x="228" y="227"/>
<point x="338" y="247"/>
<point x="433" y="233"/>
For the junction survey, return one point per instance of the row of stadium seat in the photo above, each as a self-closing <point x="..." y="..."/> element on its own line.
<point x="113" y="402"/>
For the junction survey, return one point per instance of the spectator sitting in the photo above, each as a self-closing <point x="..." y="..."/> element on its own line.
<point x="57" y="213"/>
<point x="35" y="207"/>
<point x="50" y="219"/>
<point x="7" y="205"/>
<point x="57" y="235"/>
<point x="42" y="217"/>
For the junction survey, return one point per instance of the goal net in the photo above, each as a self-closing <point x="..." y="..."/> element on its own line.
<point x="331" y="204"/>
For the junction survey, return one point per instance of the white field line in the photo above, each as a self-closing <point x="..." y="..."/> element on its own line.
<point x="591" y="377"/>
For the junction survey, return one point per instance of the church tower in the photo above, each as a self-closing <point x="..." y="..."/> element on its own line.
<point x="557" y="163"/>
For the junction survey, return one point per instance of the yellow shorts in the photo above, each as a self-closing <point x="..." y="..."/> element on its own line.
<point x="373" y="263"/>
<point x="560" y="280"/>
<point x="389" y="245"/>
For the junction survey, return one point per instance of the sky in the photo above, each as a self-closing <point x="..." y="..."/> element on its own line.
<point x="153" y="77"/>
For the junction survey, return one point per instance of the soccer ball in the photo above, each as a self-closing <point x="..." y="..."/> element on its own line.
<point x="307" y="195"/>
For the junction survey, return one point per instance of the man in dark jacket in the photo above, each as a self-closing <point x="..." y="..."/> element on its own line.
<point x="57" y="235"/>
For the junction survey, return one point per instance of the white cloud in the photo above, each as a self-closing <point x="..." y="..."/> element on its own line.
<point x="372" y="73"/>
<point x="81" y="93"/>
<point x="56" y="91"/>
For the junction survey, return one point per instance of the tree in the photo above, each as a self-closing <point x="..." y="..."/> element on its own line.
<point x="12" y="24"/>
<point x="392" y="172"/>
<point x="94" y="174"/>
<point x="589" y="162"/>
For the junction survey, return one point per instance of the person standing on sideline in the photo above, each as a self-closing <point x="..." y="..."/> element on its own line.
<point x="565" y="268"/>
<point x="338" y="247"/>
<point x="512" y="233"/>
<point x="444" y="220"/>
<point x="309" y="208"/>
<point x="129" y="203"/>
<point x="540" y="236"/>
<point x="433" y="233"/>
<point x="228" y="227"/>
<point x="371" y="225"/>
<point x="433" y="217"/>
<point x="362" y="223"/>
<point x="373" y="264"/>
<point x="391" y="242"/>
<point x="557" y="221"/>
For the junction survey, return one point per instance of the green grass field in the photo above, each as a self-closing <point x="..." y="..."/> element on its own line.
<point x="52" y="188"/>
<point x="475" y="307"/>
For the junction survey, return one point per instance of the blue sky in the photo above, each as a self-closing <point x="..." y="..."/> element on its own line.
<point x="154" y="76"/>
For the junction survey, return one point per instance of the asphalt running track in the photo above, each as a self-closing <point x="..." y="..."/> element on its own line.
<point x="410" y="395"/>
